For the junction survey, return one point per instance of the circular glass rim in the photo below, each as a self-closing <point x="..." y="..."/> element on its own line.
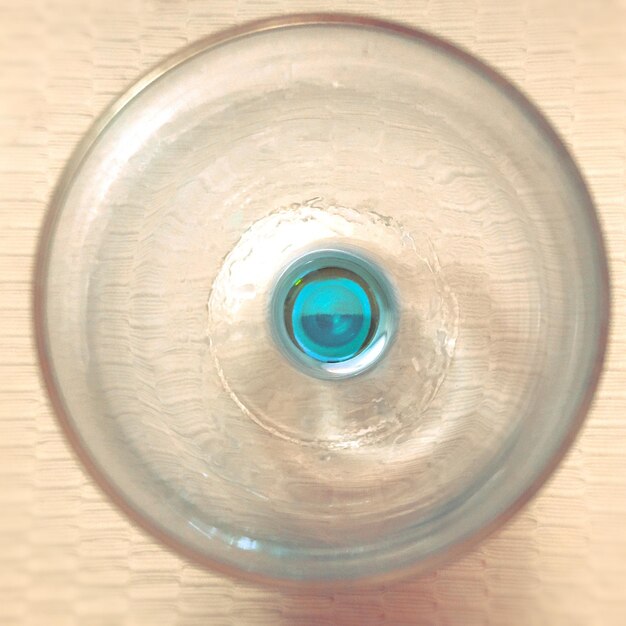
<point x="591" y="369"/>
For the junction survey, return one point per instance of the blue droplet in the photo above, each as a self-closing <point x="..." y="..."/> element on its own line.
<point x="331" y="316"/>
<point x="333" y="313"/>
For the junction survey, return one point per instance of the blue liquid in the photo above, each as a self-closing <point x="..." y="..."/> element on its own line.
<point x="331" y="316"/>
<point x="333" y="313"/>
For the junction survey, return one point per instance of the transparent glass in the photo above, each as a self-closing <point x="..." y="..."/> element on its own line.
<point x="469" y="322"/>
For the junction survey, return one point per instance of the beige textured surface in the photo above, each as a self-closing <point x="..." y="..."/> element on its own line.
<point x="68" y="557"/>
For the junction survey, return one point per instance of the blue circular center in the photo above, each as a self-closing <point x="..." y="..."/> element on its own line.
<point x="333" y="313"/>
<point x="331" y="318"/>
<point x="330" y="315"/>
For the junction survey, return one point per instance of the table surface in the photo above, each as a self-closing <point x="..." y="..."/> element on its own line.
<point x="68" y="557"/>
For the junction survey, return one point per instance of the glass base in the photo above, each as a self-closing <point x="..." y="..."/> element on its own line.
<point x="318" y="333"/>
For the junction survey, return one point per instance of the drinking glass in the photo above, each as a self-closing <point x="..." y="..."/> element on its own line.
<point x="321" y="299"/>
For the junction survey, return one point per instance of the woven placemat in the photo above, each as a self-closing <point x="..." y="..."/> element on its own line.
<point x="68" y="557"/>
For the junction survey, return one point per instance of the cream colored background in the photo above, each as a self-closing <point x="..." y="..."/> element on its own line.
<point x="67" y="557"/>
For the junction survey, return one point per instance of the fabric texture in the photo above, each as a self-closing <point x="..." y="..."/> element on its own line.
<point x="68" y="557"/>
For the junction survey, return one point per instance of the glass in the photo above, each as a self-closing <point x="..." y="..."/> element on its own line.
<point x="321" y="299"/>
